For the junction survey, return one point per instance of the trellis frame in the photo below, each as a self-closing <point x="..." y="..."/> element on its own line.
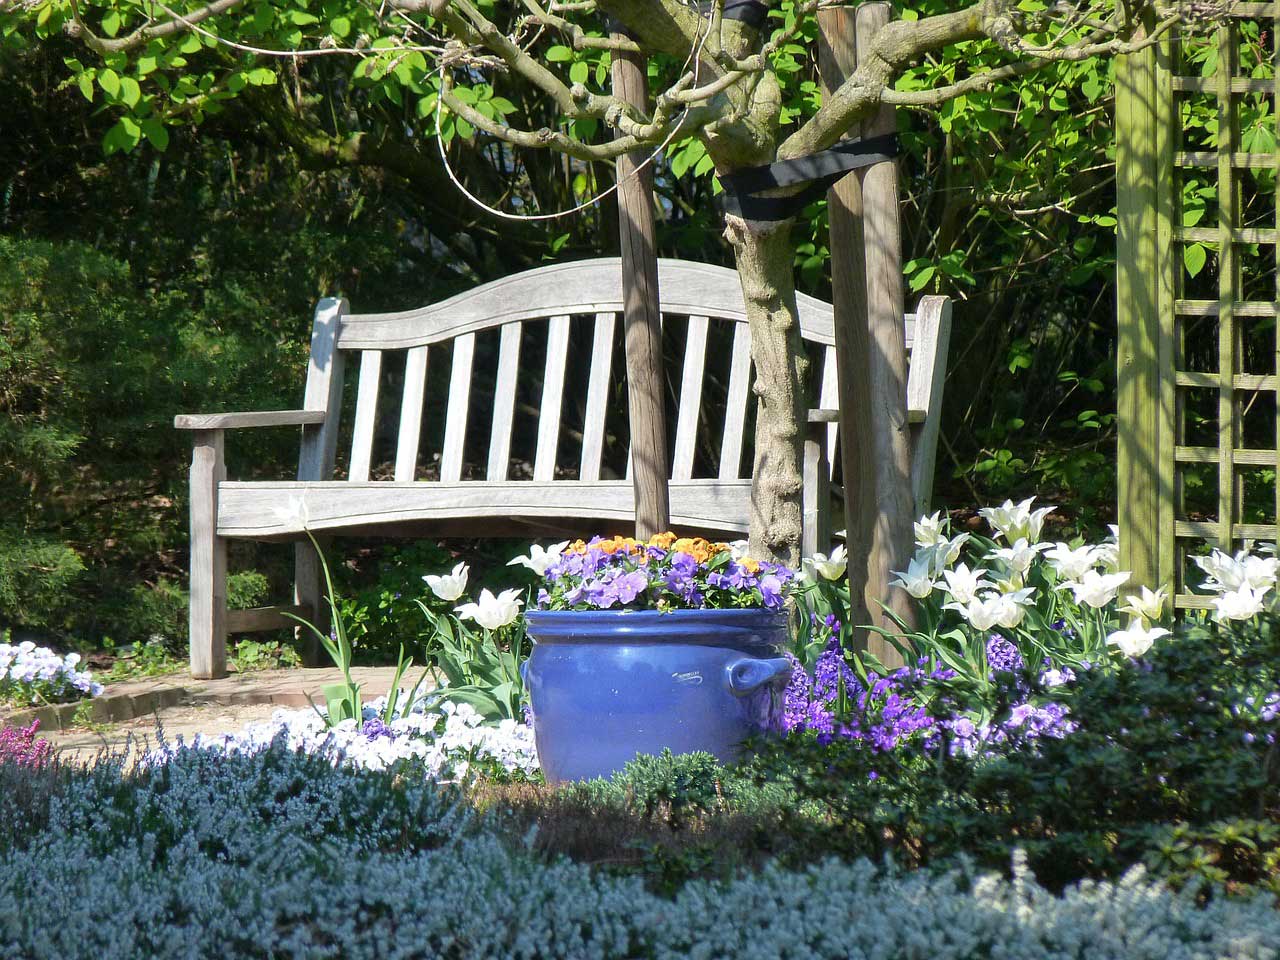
<point x="1154" y="452"/>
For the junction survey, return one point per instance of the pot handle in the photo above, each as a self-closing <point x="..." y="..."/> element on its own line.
<point x="750" y="674"/>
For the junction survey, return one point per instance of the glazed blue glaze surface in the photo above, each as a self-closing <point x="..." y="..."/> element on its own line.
<point x="608" y="685"/>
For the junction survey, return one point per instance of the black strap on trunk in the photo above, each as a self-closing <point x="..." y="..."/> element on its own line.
<point x="750" y="12"/>
<point x="819" y="170"/>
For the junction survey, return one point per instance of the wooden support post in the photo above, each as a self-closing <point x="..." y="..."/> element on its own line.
<point x="208" y="602"/>
<point x="871" y="357"/>
<point x="315" y="462"/>
<point x="642" y="313"/>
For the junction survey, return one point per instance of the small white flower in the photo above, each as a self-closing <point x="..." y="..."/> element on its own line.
<point x="1148" y="606"/>
<point x="1096" y="589"/>
<point x="946" y="552"/>
<point x="1240" y="604"/>
<point x="539" y="558"/>
<point x="1017" y="522"/>
<point x="493" y="612"/>
<point x="1136" y="639"/>
<point x="918" y="579"/>
<point x="830" y="568"/>
<point x="739" y="550"/>
<point x="929" y="530"/>
<point x="1019" y="557"/>
<point x="449" y="586"/>
<point x="1072" y="564"/>
<point x="963" y="583"/>
<point x="983" y="612"/>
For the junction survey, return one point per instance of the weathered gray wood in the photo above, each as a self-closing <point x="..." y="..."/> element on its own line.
<point x="544" y="460"/>
<point x="924" y="394"/>
<point x="504" y="403"/>
<point x="597" y="397"/>
<point x="208" y="602"/>
<point x="829" y="398"/>
<point x="257" y="418"/>
<point x="258" y="619"/>
<point x="415" y="386"/>
<point x="248" y="509"/>
<point x="837" y="58"/>
<point x="323" y="391"/>
<point x="319" y="446"/>
<point x="735" y="415"/>
<point x="580" y="287"/>
<point x="642" y="311"/>
<point x="695" y="355"/>
<point x="366" y="415"/>
<point x="455" y="427"/>
<point x="816" y="530"/>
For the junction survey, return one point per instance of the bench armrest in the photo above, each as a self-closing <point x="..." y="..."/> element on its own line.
<point x="260" y="418"/>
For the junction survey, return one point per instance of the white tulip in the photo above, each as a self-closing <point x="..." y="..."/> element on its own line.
<point x="918" y="579"/>
<point x="1072" y="564"/>
<point x="1149" y="606"/>
<point x="963" y="583"/>
<point x="1020" y="556"/>
<point x="983" y="613"/>
<point x="449" y="586"/>
<point x="1096" y="589"/>
<point x="493" y="612"/>
<point x="1017" y="522"/>
<point x="1225" y="573"/>
<point x="539" y="558"/>
<point x="830" y="568"/>
<point x="929" y="530"/>
<point x="1260" y="572"/>
<point x="1136" y="639"/>
<point x="1241" y="604"/>
<point x="946" y="552"/>
<point x="1010" y="608"/>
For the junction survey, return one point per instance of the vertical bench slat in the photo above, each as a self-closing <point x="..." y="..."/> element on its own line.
<point x="504" y="402"/>
<point x="455" y="427"/>
<point x="736" y="403"/>
<point x="366" y="413"/>
<point x="415" y="384"/>
<point x="829" y="398"/>
<point x="544" y="461"/>
<point x="695" y="355"/>
<point x="597" y="397"/>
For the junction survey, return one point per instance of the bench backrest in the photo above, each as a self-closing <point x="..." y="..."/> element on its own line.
<point x="557" y="332"/>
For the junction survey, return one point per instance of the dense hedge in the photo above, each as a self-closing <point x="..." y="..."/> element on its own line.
<point x="282" y="856"/>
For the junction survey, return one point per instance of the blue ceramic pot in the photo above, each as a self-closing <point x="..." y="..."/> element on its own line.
<point x="607" y="685"/>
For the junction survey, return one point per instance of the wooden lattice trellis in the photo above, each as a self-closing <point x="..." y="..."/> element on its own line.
<point x="1198" y="359"/>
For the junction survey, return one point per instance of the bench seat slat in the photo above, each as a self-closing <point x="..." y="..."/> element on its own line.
<point x="597" y="396"/>
<point x="455" y="428"/>
<point x="736" y="403"/>
<point x="366" y="413"/>
<point x="695" y="355"/>
<point x="415" y="385"/>
<point x="544" y="462"/>
<point x="504" y="403"/>
<point x="252" y="509"/>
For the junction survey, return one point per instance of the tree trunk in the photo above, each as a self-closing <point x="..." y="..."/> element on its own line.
<point x="764" y="257"/>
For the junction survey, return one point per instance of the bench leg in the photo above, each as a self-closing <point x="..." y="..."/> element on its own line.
<point x="208" y="602"/>
<point x="309" y="591"/>
<point x="816" y="532"/>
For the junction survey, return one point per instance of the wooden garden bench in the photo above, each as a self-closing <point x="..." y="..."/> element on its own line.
<point x="538" y="356"/>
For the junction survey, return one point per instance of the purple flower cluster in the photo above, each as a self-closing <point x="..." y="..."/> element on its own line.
<point x="20" y="746"/>
<point x="34" y="675"/>
<point x="664" y="573"/>
<point x="888" y="711"/>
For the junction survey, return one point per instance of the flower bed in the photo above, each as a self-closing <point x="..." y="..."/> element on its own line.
<point x="444" y="743"/>
<point x="33" y="676"/>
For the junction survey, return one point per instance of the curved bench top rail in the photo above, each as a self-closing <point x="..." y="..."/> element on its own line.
<point x="580" y="287"/>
